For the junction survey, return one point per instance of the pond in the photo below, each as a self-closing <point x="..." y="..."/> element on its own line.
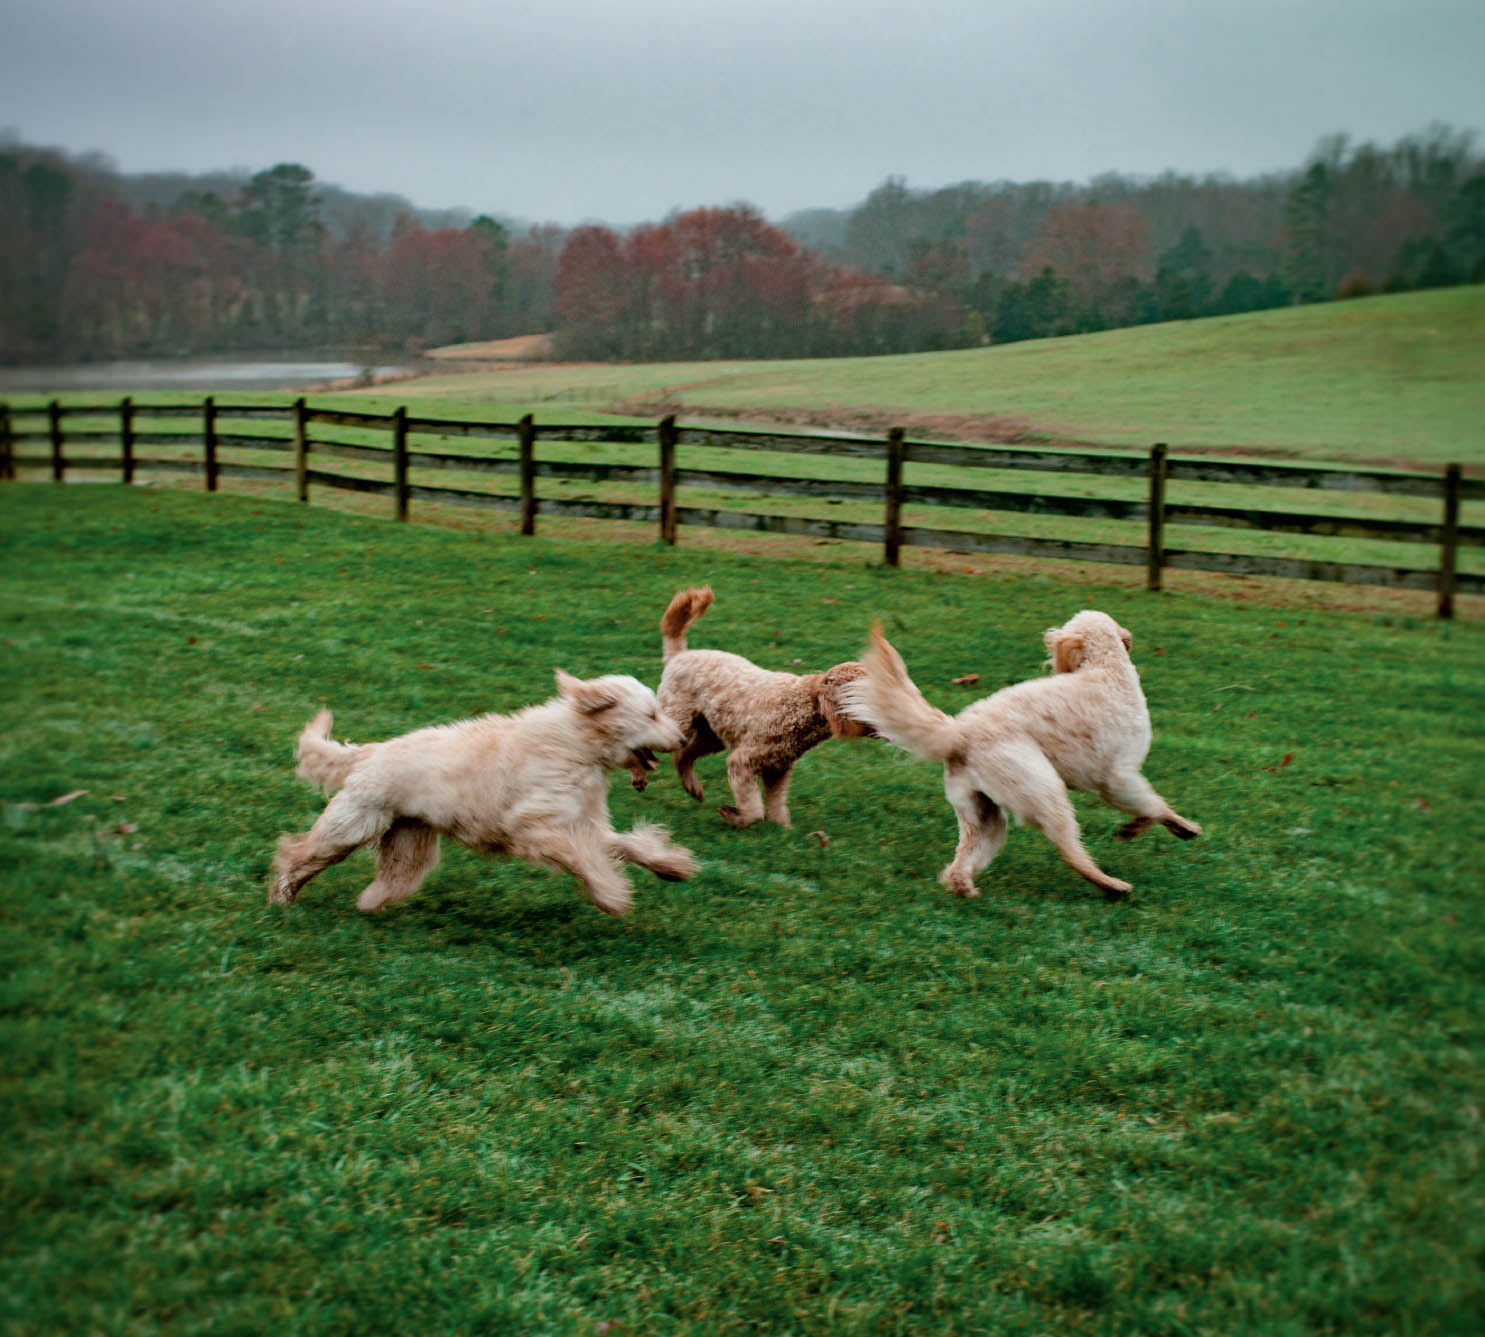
<point x="289" y="371"/>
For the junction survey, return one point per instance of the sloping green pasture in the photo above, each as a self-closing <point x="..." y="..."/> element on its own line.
<point x="806" y="1091"/>
<point x="1388" y="379"/>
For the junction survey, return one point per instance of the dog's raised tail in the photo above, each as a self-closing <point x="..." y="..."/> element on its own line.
<point x="888" y="700"/>
<point x="323" y="761"/>
<point x="684" y="609"/>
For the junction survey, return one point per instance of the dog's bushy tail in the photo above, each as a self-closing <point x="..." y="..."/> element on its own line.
<point x="323" y="761"/>
<point x="684" y="609"/>
<point x="888" y="700"/>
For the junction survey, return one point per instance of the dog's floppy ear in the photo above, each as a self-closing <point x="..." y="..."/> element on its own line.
<point x="1065" y="648"/>
<point x="587" y="697"/>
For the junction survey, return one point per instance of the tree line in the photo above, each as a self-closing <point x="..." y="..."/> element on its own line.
<point x="95" y="265"/>
<point x="1038" y="259"/>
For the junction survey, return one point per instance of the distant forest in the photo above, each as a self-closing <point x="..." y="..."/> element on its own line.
<point x="97" y="264"/>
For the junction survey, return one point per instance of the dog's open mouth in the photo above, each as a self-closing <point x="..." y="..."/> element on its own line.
<point x="643" y="759"/>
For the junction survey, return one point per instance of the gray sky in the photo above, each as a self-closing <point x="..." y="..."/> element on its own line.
<point x="567" y="110"/>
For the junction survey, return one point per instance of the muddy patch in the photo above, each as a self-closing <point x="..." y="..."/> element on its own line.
<point x="997" y="429"/>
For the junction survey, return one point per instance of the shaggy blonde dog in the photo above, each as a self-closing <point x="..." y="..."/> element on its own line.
<point x="1020" y="750"/>
<point x="765" y="721"/>
<point x="533" y="784"/>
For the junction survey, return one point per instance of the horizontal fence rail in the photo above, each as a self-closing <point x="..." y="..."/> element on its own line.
<point x="135" y="426"/>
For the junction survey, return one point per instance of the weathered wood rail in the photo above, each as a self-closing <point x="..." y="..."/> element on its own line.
<point x="59" y="426"/>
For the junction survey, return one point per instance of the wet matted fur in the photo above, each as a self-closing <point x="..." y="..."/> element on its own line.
<point x="764" y="721"/>
<point x="1019" y="751"/>
<point x="533" y="784"/>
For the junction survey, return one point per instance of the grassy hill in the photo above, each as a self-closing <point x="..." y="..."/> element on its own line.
<point x="1390" y="379"/>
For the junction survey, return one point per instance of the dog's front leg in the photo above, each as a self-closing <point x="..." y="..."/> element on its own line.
<point x="586" y="854"/>
<point x="649" y="846"/>
<point x="776" y="793"/>
<point x="742" y="775"/>
<point x="1134" y="794"/>
<point x="700" y="743"/>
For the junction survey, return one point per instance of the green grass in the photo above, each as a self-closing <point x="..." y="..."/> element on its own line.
<point x="806" y="1091"/>
<point x="1397" y="378"/>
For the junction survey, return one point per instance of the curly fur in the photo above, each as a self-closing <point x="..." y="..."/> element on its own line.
<point x="533" y="784"/>
<point x="764" y="721"/>
<point x="1019" y="751"/>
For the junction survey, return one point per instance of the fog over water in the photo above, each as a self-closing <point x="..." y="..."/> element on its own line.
<point x="208" y="375"/>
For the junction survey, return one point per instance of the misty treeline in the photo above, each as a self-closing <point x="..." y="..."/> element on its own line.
<point x="1039" y="259"/>
<point x="86" y="271"/>
<point x="96" y="264"/>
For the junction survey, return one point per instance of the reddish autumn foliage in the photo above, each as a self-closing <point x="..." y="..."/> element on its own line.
<point x="1091" y="246"/>
<point x="724" y="283"/>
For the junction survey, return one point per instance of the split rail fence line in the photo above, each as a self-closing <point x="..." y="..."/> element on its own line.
<point x="1159" y="468"/>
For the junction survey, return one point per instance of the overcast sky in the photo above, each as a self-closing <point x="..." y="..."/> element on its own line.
<point x="570" y="110"/>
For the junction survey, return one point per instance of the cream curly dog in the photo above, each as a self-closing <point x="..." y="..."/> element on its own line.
<point x="765" y="721"/>
<point x="533" y="784"/>
<point x="1022" y="749"/>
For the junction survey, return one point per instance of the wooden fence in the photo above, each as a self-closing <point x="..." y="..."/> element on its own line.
<point x="59" y="426"/>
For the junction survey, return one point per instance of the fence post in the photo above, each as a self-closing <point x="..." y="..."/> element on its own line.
<point x="301" y="449"/>
<point x="126" y="439"/>
<point x="1155" y="554"/>
<point x="668" y="436"/>
<point x="399" y="459"/>
<point x="209" y="441"/>
<point x="893" y="519"/>
<point x="54" y="413"/>
<point x="1449" y="548"/>
<point x="528" y="474"/>
<point x="7" y="445"/>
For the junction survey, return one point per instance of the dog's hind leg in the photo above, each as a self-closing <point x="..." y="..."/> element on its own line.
<point x="982" y="829"/>
<point x="649" y="847"/>
<point x="405" y="855"/>
<point x="344" y="826"/>
<point x="1132" y="793"/>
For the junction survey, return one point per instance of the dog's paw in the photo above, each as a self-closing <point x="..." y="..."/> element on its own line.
<point x="959" y="883"/>
<point x="1182" y="829"/>
<point x="282" y="892"/>
<point x="1114" y="889"/>
<point x="678" y="865"/>
<point x="1133" y="828"/>
<point x="639" y="781"/>
<point x="733" y="817"/>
